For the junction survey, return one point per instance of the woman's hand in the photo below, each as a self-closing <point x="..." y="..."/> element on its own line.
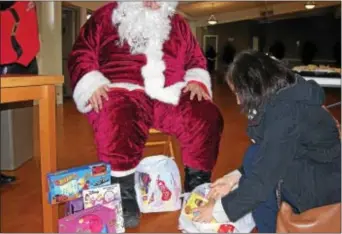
<point x="223" y="186"/>
<point x="204" y="214"/>
<point x="196" y="90"/>
<point x="96" y="98"/>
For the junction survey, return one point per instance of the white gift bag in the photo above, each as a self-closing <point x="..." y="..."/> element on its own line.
<point x="186" y="225"/>
<point x="158" y="185"/>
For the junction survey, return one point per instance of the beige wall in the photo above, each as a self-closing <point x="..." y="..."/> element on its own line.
<point x="54" y="47"/>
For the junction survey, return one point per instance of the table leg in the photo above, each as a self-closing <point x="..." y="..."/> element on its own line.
<point x="48" y="151"/>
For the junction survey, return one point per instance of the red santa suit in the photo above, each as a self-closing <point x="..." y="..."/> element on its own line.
<point x="146" y="92"/>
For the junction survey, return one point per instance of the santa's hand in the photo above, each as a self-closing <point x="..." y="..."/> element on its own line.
<point x="96" y="98"/>
<point x="196" y="90"/>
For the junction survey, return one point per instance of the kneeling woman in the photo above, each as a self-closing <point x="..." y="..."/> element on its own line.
<point x="296" y="150"/>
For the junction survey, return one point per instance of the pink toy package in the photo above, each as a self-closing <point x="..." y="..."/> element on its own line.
<point x="107" y="196"/>
<point x="98" y="219"/>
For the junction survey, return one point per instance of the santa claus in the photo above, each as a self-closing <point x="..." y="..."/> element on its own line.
<point x="137" y="65"/>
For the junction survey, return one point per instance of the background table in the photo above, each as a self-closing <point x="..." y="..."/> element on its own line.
<point x="41" y="89"/>
<point x="327" y="82"/>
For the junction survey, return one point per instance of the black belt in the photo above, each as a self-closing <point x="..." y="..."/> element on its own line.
<point x="15" y="44"/>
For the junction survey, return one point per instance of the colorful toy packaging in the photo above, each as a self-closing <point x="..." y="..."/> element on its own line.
<point x="68" y="185"/>
<point x="198" y="198"/>
<point x="98" y="219"/>
<point x="107" y="196"/>
<point x="74" y="206"/>
<point x="157" y="185"/>
<point x="195" y="200"/>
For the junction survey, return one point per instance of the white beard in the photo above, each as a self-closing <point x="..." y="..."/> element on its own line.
<point x="141" y="27"/>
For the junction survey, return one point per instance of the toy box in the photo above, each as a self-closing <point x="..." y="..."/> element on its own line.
<point x="108" y="196"/>
<point x="68" y="185"/>
<point x="98" y="219"/>
<point x="74" y="206"/>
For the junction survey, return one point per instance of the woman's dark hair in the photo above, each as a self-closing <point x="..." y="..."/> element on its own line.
<point x="255" y="77"/>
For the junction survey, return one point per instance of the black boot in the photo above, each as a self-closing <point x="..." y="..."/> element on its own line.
<point x="4" y="179"/>
<point x="130" y="206"/>
<point x="194" y="178"/>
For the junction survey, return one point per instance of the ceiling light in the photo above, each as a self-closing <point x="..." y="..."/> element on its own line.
<point x="212" y="20"/>
<point x="310" y="5"/>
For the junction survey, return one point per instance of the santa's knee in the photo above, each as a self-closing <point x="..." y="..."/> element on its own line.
<point x="119" y="133"/>
<point x="206" y="118"/>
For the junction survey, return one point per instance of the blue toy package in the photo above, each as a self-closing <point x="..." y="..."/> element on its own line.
<point x="68" y="185"/>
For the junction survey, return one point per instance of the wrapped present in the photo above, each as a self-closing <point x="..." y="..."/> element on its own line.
<point x="74" y="206"/>
<point x="98" y="219"/>
<point x="157" y="185"/>
<point x="68" y="185"/>
<point x="195" y="200"/>
<point x="109" y="196"/>
<point x="198" y="198"/>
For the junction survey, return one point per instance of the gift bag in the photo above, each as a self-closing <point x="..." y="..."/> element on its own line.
<point x="158" y="185"/>
<point x="199" y="197"/>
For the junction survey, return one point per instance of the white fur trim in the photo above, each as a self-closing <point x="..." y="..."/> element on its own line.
<point x="199" y="75"/>
<point x="154" y="78"/>
<point x="85" y="88"/>
<point x="234" y="173"/>
<point x="148" y="39"/>
<point x="172" y="4"/>
<point x="122" y="173"/>
<point x="128" y="86"/>
<point x="218" y="212"/>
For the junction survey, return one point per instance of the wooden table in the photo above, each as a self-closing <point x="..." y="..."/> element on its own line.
<point x="41" y="89"/>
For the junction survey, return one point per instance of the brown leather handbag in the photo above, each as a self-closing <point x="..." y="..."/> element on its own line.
<point x="321" y="219"/>
<point x="325" y="219"/>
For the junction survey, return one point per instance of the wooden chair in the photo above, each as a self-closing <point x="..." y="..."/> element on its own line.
<point x="168" y="145"/>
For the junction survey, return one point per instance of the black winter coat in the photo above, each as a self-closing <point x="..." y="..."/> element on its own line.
<point x="299" y="144"/>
